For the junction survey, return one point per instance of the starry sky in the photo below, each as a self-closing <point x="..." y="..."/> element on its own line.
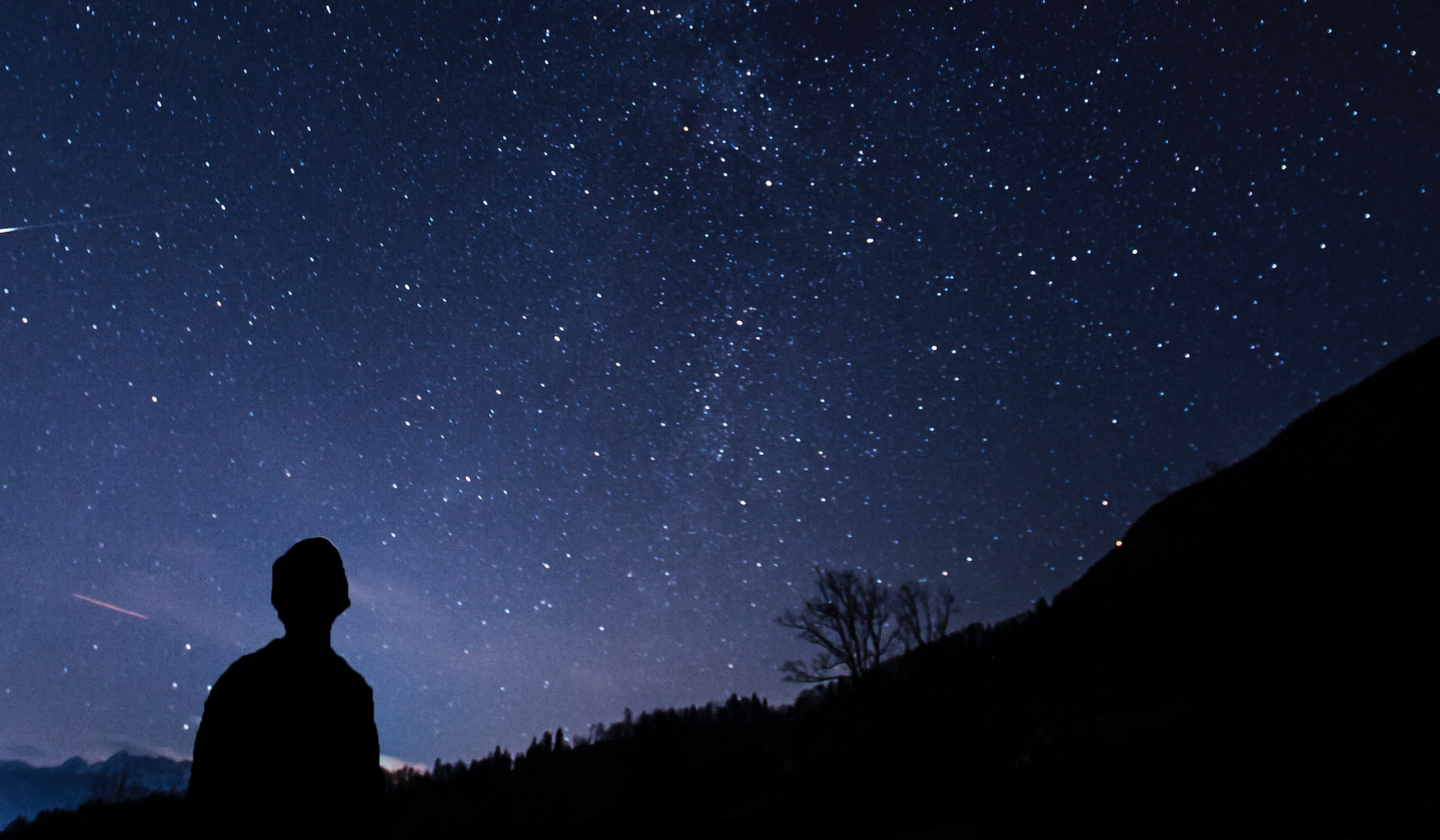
<point x="585" y="330"/>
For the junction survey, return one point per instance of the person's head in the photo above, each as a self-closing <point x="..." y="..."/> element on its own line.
<point x="308" y="586"/>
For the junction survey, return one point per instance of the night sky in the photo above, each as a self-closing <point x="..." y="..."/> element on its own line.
<point x="585" y="331"/>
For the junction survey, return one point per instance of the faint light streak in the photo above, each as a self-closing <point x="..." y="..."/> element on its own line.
<point x="109" y="606"/>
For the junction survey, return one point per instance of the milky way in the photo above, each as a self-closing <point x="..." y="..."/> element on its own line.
<point x="585" y="331"/>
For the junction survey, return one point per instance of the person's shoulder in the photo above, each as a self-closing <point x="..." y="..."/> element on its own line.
<point x="251" y="663"/>
<point x="244" y="678"/>
<point x="349" y="675"/>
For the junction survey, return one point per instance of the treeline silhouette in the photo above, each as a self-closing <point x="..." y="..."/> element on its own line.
<point x="643" y="770"/>
<point x="1257" y="655"/>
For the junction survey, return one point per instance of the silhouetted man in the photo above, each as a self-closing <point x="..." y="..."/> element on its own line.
<point x="287" y="746"/>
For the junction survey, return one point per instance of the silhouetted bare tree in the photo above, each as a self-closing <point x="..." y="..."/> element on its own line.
<point x="846" y="621"/>
<point x="921" y="615"/>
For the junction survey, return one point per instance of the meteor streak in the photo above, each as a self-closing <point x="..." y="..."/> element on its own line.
<point x="91" y="221"/>
<point x="108" y="606"/>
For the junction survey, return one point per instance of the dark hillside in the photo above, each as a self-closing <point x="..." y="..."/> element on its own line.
<point x="1268" y="632"/>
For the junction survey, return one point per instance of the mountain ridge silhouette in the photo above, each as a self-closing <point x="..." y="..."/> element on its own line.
<point x="26" y="790"/>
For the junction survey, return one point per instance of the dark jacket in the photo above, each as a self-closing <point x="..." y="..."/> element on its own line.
<point x="287" y="747"/>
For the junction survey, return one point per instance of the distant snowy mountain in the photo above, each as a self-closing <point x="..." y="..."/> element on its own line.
<point x="26" y="790"/>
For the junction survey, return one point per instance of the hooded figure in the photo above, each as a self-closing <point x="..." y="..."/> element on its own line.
<point x="287" y="746"/>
